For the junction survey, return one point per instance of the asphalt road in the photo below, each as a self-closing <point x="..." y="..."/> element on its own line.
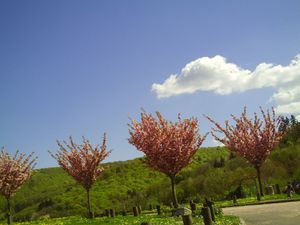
<point x="287" y="213"/>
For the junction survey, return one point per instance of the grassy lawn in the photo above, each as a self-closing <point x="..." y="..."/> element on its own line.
<point x="253" y="200"/>
<point x="162" y="220"/>
<point x="131" y="220"/>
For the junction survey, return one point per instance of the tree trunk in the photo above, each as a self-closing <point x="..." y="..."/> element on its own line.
<point x="174" y="196"/>
<point x="257" y="190"/>
<point x="88" y="203"/>
<point x="9" y="218"/>
<point x="259" y="181"/>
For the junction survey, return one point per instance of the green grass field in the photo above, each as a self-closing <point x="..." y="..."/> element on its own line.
<point x="130" y="220"/>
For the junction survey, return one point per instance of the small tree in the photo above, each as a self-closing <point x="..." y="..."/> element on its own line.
<point x="14" y="172"/>
<point x="252" y="139"/>
<point x="82" y="162"/>
<point x="169" y="147"/>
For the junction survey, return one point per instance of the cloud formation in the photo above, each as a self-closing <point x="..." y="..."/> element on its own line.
<point x="221" y="77"/>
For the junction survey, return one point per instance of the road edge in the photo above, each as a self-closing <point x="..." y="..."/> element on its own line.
<point x="262" y="203"/>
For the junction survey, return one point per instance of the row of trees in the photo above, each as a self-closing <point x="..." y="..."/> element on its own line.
<point x="168" y="146"/>
<point x="81" y="161"/>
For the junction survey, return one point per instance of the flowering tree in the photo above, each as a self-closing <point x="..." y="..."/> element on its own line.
<point x="252" y="139"/>
<point x="168" y="147"/>
<point x="82" y="162"/>
<point x="14" y="172"/>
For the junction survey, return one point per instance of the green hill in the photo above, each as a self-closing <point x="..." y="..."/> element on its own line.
<point x="214" y="173"/>
<point x="52" y="192"/>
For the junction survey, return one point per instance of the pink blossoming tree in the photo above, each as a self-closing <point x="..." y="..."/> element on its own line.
<point x="253" y="139"/>
<point x="82" y="162"/>
<point x="168" y="146"/>
<point x="14" y="172"/>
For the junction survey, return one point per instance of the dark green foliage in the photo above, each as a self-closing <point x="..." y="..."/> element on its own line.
<point x="292" y="128"/>
<point x="44" y="204"/>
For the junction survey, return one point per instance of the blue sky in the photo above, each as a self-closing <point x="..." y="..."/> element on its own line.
<point x="83" y="67"/>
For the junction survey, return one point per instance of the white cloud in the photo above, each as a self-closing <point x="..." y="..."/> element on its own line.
<point x="287" y="95"/>
<point x="292" y="108"/>
<point x="221" y="77"/>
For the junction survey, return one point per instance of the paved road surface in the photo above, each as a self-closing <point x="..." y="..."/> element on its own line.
<point x="287" y="213"/>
